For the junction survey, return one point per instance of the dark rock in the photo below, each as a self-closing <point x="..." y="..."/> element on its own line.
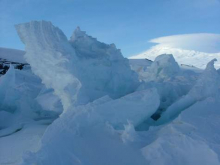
<point x="5" y="65"/>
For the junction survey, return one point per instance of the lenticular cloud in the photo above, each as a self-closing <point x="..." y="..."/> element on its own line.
<point x="203" y="42"/>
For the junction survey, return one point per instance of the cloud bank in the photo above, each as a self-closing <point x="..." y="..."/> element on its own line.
<point x="203" y="42"/>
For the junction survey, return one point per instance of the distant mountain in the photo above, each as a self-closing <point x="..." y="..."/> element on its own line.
<point x="11" y="57"/>
<point x="186" y="57"/>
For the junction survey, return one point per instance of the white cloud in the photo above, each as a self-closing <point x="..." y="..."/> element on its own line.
<point x="203" y="42"/>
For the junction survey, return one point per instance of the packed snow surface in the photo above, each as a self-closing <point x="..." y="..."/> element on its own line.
<point x="81" y="102"/>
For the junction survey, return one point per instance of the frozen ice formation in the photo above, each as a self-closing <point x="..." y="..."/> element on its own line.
<point x="7" y="82"/>
<point x="168" y="78"/>
<point x="47" y="47"/>
<point x="80" y="70"/>
<point x="159" y="113"/>
<point x="88" y="47"/>
<point x="207" y="85"/>
<point x="192" y="138"/>
<point x="89" y="132"/>
<point x="113" y="75"/>
<point x="163" y="67"/>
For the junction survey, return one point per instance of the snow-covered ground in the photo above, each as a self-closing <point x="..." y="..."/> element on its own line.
<point x="81" y="102"/>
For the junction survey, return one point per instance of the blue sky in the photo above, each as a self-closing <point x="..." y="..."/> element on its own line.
<point x="130" y="24"/>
